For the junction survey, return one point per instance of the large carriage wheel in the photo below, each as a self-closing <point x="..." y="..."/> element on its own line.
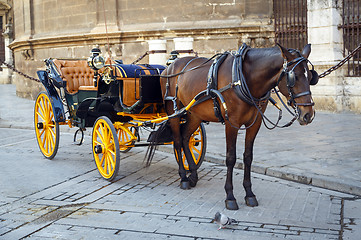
<point x="46" y="129"/>
<point x="197" y="145"/>
<point x="105" y="148"/>
<point x="126" y="138"/>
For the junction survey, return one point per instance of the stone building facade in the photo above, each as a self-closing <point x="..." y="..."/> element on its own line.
<point x="69" y="29"/>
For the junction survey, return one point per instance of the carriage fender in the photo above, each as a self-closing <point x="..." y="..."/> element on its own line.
<point x="58" y="108"/>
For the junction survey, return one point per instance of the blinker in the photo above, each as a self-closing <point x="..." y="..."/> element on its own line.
<point x="315" y="77"/>
<point x="291" y="79"/>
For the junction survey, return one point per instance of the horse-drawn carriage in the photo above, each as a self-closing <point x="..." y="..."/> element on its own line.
<point x="115" y="99"/>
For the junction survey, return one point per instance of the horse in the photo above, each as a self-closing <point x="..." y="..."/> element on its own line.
<point x="263" y="69"/>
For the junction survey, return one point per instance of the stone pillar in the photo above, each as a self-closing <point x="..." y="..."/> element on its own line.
<point x="157" y="52"/>
<point x="184" y="46"/>
<point x="327" y="46"/>
<point x="6" y="76"/>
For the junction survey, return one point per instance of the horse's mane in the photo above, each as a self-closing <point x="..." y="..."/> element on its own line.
<point x="269" y="52"/>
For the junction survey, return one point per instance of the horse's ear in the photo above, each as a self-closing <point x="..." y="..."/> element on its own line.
<point x="285" y="53"/>
<point x="306" y="51"/>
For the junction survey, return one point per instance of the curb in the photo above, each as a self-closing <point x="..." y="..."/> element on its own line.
<point x="325" y="182"/>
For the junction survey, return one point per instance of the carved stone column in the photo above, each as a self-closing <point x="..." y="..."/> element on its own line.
<point x="6" y="77"/>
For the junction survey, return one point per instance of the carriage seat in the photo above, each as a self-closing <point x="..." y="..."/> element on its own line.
<point x="77" y="74"/>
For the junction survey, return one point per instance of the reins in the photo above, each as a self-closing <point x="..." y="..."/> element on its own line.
<point x="245" y="94"/>
<point x="193" y="68"/>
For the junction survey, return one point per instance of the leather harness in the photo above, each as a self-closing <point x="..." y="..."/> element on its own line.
<point x="239" y="85"/>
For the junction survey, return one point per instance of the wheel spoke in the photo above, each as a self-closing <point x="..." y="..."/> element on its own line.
<point x="51" y="114"/>
<point x="105" y="163"/>
<point x="193" y="157"/>
<point x="109" y="135"/>
<point x="40" y="107"/>
<point x="45" y="108"/>
<point x="112" y="152"/>
<point x="102" y="160"/>
<point x="42" y="141"/>
<point x="41" y="116"/>
<point x="99" y="135"/>
<point x="52" y="131"/>
<point x="126" y="137"/>
<point x="46" y="141"/>
<point x="51" y="142"/>
<point x="195" y="149"/>
<point x="102" y="132"/>
<point x="109" y="165"/>
<point x="42" y="132"/>
<point x="111" y="159"/>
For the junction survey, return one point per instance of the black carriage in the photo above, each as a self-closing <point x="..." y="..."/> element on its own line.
<point x="115" y="99"/>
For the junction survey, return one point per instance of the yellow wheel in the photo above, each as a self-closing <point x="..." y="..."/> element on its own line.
<point x="197" y="145"/>
<point x="126" y="138"/>
<point x="105" y="148"/>
<point x="46" y="129"/>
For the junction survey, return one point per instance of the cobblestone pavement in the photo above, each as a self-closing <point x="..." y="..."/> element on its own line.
<point x="65" y="198"/>
<point x="325" y="153"/>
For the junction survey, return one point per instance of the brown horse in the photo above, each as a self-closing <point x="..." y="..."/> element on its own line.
<point x="263" y="69"/>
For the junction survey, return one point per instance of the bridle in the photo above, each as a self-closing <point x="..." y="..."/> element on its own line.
<point x="291" y="81"/>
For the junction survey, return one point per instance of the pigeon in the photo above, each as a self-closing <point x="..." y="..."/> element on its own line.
<point x="222" y="220"/>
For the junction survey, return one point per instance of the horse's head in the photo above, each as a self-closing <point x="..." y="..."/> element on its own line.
<point x="295" y="81"/>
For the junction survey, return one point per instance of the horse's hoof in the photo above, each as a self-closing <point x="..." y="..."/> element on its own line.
<point x="185" y="185"/>
<point x="192" y="182"/>
<point x="231" y="205"/>
<point x="251" y="201"/>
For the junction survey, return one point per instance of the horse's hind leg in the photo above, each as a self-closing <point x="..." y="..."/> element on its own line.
<point x="251" y="133"/>
<point x="177" y="147"/>
<point x="231" y="140"/>
<point x="187" y="130"/>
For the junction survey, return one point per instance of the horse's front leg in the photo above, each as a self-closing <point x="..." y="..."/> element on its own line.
<point x="251" y="133"/>
<point x="231" y="140"/>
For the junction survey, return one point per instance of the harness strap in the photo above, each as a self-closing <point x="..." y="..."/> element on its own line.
<point x="239" y="81"/>
<point x="212" y="84"/>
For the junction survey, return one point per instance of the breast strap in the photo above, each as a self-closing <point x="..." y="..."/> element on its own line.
<point x="239" y="81"/>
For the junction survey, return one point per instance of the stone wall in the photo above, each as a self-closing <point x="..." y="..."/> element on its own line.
<point x="70" y="28"/>
<point x="335" y="92"/>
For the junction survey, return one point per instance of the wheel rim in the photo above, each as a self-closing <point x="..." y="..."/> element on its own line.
<point x="126" y="138"/>
<point x="46" y="128"/>
<point x="107" y="155"/>
<point x="196" y="146"/>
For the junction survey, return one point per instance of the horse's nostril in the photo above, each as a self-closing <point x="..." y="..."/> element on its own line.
<point x="307" y="117"/>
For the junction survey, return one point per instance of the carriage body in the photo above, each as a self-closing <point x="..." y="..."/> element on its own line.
<point x="115" y="100"/>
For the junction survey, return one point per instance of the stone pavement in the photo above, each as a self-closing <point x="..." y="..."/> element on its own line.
<point x="65" y="198"/>
<point x="325" y="153"/>
<point x="74" y="202"/>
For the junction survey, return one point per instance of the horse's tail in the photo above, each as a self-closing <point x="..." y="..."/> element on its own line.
<point x="162" y="135"/>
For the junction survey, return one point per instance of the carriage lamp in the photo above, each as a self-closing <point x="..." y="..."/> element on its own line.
<point x="95" y="61"/>
<point x="173" y="57"/>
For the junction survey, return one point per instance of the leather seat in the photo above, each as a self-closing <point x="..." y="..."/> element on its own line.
<point x="77" y="74"/>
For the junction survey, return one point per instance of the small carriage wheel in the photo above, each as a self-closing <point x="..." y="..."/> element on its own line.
<point x="105" y="148"/>
<point x="126" y="138"/>
<point x="197" y="145"/>
<point x="46" y="129"/>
